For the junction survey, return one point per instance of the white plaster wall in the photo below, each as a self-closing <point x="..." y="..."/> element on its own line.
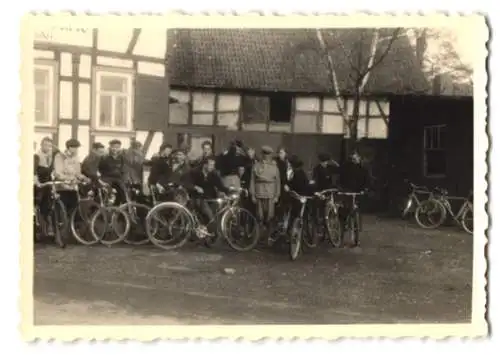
<point x="66" y="64"/>
<point x="114" y="62"/>
<point x="65" y="99"/>
<point x="84" y="101"/>
<point x="154" y="69"/>
<point x="84" y="139"/>
<point x="152" y="48"/>
<point x="44" y="54"/>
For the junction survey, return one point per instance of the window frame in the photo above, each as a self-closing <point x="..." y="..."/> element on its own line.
<point x="426" y="150"/>
<point x="129" y="75"/>
<point x="52" y="96"/>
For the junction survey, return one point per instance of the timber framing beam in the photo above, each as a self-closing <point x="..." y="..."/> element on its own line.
<point x="133" y="41"/>
<point x="88" y="50"/>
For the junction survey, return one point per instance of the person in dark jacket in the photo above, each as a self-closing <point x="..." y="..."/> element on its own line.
<point x="228" y="163"/>
<point x="325" y="174"/>
<point x="354" y="177"/>
<point x="44" y="168"/>
<point x="112" y="169"/>
<point x="205" y="183"/>
<point x="206" y="151"/>
<point x="90" y="165"/>
<point x="299" y="183"/>
<point x="160" y="166"/>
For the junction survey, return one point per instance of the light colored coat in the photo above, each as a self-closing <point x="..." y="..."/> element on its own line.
<point x="265" y="180"/>
<point x="67" y="168"/>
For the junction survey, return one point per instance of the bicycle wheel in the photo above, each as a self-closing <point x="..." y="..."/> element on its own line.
<point x="80" y="222"/>
<point x="467" y="220"/>
<point x="355" y="227"/>
<point x="137" y="213"/>
<point x="333" y="226"/>
<point x="295" y="239"/>
<point x="311" y="231"/>
<point x="240" y="228"/>
<point x="60" y="220"/>
<point x="430" y="214"/>
<point x="169" y="225"/>
<point x="109" y="225"/>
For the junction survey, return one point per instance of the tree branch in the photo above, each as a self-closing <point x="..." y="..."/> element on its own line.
<point x="375" y="63"/>
<point x="333" y="76"/>
<point x="373" y="52"/>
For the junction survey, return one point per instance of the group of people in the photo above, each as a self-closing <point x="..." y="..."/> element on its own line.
<point x="267" y="178"/>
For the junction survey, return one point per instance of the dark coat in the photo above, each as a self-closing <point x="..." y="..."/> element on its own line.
<point x="160" y="171"/>
<point x="90" y="165"/>
<point x="353" y="177"/>
<point x="229" y="162"/>
<point x="111" y="167"/>
<point x="325" y="177"/>
<point x="210" y="183"/>
<point x="300" y="182"/>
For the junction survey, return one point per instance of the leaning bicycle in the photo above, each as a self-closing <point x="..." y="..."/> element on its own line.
<point x="56" y="215"/>
<point x="352" y="221"/>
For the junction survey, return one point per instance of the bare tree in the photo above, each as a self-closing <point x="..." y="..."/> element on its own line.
<point x="361" y="62"/>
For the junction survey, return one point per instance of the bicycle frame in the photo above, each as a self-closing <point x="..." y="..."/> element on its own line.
<point x="445" y="200"/>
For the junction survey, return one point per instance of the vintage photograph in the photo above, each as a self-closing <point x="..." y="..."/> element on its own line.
<point x="255" y="176"/>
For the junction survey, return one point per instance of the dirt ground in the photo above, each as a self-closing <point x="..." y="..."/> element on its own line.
<point x="402" y="274"/>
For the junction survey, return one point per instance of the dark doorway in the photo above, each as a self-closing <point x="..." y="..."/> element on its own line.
<point x="280" y="107"/>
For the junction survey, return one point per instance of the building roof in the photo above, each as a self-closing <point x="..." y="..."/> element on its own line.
<point x="288" y="60"/>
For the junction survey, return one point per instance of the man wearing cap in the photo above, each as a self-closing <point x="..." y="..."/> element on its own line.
<point x="265" y="186"/>
<point x="134" y="160"/>
<point x="112" y="169"/>
<point x="90" y="165"/>
<point x="160" y="166"/>
<point x="229" y="163"/>
<point x="67" y="168"/>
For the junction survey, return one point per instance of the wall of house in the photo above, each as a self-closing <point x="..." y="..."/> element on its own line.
<point x="409" y="117"/>
<point x="198" y="112"/>
<point x="77" y="59"/>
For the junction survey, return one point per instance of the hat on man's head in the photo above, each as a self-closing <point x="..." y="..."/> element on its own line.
<point x="323" y="157"/>
<point x="295" y="161"/>
<point x="115" y="141"/>
<point x="267" y="149"/>
<point x="97" y="145"/>
<point x="72" y="143"/>
<point x="238" y="143"/>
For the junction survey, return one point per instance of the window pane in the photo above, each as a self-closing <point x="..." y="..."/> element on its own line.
<point x="105" y="111"/>
<point x="41" y="106"/>
<point x="205" y="119"/>
<point x="442" y="137"/>
<point x="178" y="113"/>
<point x="120" y="111"/>
<point x="307" y="103"/>
<point x="435" y="162"/>
<point x="41" y="77"/>
<point x="230" y="120"/>
<point x="203" y="101"/>
<point x="305" y="122"/>
<point x="228" y="102"/>
<point x="333" y="124"/>
<point x="377" y="128"/>
<point x="255" y="109"/>
<point x="114" y="83"/>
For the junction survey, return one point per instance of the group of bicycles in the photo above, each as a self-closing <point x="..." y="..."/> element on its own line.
<point x="172" y="222"/>
<point x="432" y="207"/>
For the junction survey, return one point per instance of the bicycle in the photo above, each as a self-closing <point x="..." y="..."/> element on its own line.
<point x="138" y="206"/>
<point x="331" y="219"/>
<point x="352" y="222"/>
<point x="441" y="205"/>
<point x="110" y="224"/>
<point x="96" y="198"/>
<point x="228" y="209"/>
<point x="413" y="201"/>
<point x="293" y="230"/>
<point x="56" y="215"/>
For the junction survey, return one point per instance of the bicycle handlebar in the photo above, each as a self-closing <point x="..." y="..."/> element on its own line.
<point x="327" y="191"/>
<point x="351" y="193"/>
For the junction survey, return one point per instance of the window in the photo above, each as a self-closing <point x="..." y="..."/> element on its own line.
<point x="255" y="109"/>
<point x="281" y="108"/>
<point x="44" y="94"/>
<point x="434" y="151"/>
<point x="113" y="101"/>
